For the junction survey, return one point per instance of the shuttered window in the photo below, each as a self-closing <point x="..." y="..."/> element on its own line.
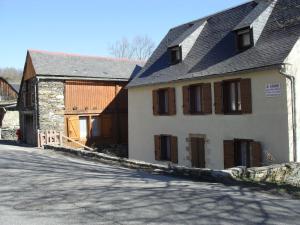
<point x="240" y="152"/>
<point x="164" y="101"/>
<point x="233" y="96"/>
<point x="166" y="148"/>
<point x="197" y="99"/>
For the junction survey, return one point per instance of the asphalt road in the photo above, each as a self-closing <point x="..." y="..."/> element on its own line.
<point x="44" y="187"/>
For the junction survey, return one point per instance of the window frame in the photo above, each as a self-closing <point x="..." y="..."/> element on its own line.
<point x="99" y="124"/>
<point x="87" y="123"/>
<point x="175" y="49"/>
<point x="169" y="143"/>
<point x="191" y="111"/>
<point x="166" y="103"/>
<point x="239" y="37"/>
<point x="237" y="150"/>
<point x="227" y="97"/>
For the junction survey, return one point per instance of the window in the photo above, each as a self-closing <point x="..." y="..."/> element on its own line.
<point x="163" y="101"/>
<point x="165" y="146"/>
<point x="96" y="128"/>
<point x="83" y="127"/>
<point x="232" y="96"/>
<point x="175" y="54"/>
<point x="244" y="39"/>
<point x="242" y="152"/>
<point x="196" y="99"/>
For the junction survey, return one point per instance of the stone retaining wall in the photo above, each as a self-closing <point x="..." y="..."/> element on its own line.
<point x="279" y="174"/>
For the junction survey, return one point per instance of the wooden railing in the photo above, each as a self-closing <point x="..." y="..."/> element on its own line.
<point x="51" y="137"/>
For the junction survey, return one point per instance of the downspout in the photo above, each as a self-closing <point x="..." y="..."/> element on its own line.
<point x="36" y="108"/>
<point x="283" y="71"/>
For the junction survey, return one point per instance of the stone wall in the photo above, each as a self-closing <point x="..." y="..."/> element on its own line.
<point x="287" y="174"/>
<point x="10" y="124"/>
<point x="51" y="105"/>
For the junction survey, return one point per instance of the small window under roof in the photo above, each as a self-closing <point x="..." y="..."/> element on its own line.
<point x="175" y="54"/>
<point x="244" y="39"/>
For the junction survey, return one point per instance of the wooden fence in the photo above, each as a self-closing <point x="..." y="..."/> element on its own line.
<point x="51" y="137"/>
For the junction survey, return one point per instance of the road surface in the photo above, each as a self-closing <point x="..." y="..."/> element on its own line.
<point x="48" y="188"/>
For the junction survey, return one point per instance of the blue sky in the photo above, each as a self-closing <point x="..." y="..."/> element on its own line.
<point x="89" y="26"/>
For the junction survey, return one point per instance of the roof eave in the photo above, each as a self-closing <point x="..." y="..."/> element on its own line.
<point x="263" y="68"/>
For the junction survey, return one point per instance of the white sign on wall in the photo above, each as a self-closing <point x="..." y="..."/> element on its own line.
<point x="273" y="90"/>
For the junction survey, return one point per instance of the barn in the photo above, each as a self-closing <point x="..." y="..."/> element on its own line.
<point x="81" y="96"/>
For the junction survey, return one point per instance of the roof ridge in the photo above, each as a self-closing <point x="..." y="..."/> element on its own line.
<point x="214" y="14"/>
<point x="86" y="56"/>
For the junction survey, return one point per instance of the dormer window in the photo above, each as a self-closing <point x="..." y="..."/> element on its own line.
<point x="175" y="54"/>
<point x="244" y="39"/>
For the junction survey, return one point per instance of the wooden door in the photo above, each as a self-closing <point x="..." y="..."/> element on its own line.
<point x="198" y="152"/>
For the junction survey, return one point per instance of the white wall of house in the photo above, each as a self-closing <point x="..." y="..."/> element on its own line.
<point x="267" y="124"/>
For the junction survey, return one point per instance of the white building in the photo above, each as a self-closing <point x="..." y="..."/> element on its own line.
<point x="221" y="91"/>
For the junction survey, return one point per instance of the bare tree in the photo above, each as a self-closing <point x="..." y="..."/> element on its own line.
<point x="141" y="48"/>
<point x="12" y="75"/>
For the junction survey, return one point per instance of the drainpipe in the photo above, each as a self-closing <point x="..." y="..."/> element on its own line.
<point x="283" y="71"/>
<point x="36" y="108"/>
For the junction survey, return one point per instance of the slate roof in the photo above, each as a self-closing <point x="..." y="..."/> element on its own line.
<point x="71" y="65"/>
<point x="214" y="52"/>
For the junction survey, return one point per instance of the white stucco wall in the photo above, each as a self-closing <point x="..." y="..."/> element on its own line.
<point x="268" y="123"/>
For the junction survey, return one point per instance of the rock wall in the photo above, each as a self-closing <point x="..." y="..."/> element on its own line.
<point x="287" y="173"/>
<point x="51" y="105"/>
<point x="10" y="124"/>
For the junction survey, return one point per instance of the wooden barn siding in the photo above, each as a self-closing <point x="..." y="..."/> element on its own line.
<point x="29" y="71"/>
<point x="98" y="98"/>
<point x="6" y="91"/>
<point x="90" y="96"/>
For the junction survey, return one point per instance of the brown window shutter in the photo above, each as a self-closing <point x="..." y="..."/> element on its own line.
<point x="256" y="154"/>
<point x="73" y="128"/>
<point x="186" y="100"/>
<point x="228" y="154"/>
<point x="157" y="150"/>
<point x="172" y="101"/>
<point x="155" y="102"/>
<point x="218" y="91"/>
<point x="206" y="98"/>
<point x="174" y="149"/>
<point x="246" y="96"/>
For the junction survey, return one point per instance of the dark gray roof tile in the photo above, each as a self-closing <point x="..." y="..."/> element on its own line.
<point x="215" y="53"/>
<point x="69" y="65"/>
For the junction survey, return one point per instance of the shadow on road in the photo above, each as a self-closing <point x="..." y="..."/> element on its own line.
<point x="49" y="185"/>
